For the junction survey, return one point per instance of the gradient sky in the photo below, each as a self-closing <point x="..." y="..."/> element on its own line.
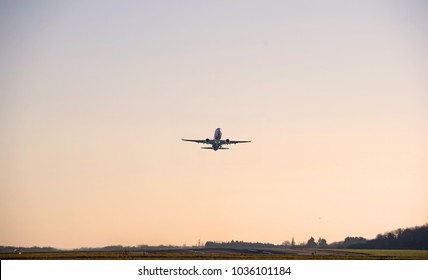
<point x="95" y="97"/>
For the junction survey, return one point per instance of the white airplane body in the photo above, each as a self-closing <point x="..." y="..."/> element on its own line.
<point x="216" y="143"/>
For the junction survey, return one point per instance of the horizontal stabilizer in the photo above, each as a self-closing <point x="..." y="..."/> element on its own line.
<point x="209" y="148"/>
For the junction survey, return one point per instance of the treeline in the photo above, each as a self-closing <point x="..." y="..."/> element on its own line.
<point x="111" y="248"/>
<point x="349" y="241"/>
<point x="238" y="245"/>
<point x="311" y="243"/>
<point x="322" y="243"/>
<point x="26" y="249"/>
<point x="138" y="248"/>
<point x="409" y="238"/>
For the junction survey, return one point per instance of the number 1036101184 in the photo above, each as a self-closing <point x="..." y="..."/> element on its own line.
<point x="261" y="270"/>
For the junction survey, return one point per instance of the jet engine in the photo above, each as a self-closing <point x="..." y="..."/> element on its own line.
<point x="207" y="140"/>
<point x="227" y="141"/>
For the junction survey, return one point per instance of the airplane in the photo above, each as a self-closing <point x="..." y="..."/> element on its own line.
<point x="216" y="143"/>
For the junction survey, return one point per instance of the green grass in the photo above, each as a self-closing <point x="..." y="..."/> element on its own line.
<point x="393" y="254"/>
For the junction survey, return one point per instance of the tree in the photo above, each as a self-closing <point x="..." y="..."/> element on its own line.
<point x="286" y="243"/>
<point x="353" y="240"/>
<point x="409" y="238"/>
<point x="322" y="242"/>
<point x="311" y="243"/>
<point x="292" y="242"/>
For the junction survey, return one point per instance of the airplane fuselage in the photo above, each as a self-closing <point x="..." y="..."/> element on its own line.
<point x="217" y="134"/>
<point x="217" y="137"/>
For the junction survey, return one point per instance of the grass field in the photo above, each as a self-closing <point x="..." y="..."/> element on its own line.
<point x="302" y="254"/>
<point x="392" y="254"/>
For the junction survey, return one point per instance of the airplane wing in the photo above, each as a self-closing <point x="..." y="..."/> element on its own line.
<point x="227" y="142"/>
<point x="199" y="141"/>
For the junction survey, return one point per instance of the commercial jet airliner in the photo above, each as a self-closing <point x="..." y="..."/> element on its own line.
<point x="216" y="143"/>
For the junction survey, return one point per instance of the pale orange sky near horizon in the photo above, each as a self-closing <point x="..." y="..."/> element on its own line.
<point x="95" y="97"/>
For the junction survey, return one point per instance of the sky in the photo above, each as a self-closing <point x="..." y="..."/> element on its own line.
<point x="95" y="97"/>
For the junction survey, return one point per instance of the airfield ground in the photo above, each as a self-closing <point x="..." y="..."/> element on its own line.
<point x="225" y="254"/>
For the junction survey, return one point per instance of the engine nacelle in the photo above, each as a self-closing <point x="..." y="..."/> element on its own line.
<point x="227" y="141"/>
<point x="207" y="140"/>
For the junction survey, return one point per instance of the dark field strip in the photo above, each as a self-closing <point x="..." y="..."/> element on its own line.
<point x="223" y="255"/>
